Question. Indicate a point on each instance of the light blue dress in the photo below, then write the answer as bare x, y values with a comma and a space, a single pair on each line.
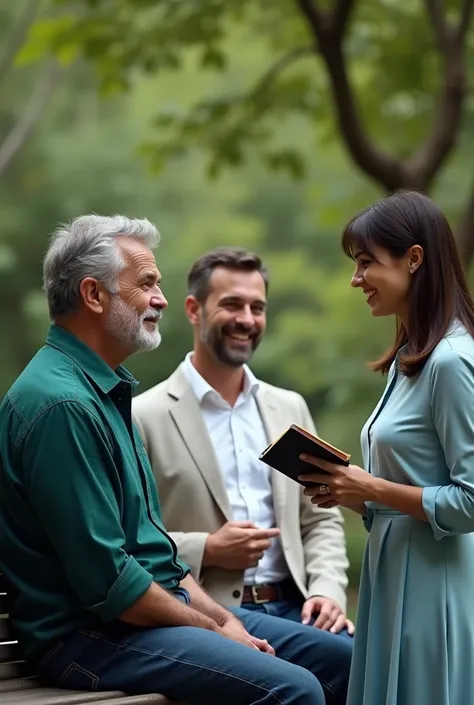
414, 642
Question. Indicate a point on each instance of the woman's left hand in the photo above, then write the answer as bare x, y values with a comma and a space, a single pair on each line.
348, 486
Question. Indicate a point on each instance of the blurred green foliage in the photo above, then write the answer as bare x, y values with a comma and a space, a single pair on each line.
93, 153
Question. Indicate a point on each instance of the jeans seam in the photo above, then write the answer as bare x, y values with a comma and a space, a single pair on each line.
125, 645
48, 655
328, 686
74, 666
272, 613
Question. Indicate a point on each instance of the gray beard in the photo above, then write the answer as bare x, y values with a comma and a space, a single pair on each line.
128, 327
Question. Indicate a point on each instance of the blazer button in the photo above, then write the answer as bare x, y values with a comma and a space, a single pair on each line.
236, 593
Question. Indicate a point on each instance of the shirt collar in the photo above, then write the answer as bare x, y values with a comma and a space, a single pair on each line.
89, 361
201, 388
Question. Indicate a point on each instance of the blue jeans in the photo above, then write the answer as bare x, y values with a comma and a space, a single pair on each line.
201, 667
287, 610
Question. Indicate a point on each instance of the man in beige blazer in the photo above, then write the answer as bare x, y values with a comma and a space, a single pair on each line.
249, 534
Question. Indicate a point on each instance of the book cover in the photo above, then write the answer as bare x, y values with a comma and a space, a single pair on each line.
283, 454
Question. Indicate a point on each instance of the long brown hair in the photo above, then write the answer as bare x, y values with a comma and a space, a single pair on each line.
439, 293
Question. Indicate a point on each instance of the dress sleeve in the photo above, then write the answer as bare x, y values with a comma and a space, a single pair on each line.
450, 508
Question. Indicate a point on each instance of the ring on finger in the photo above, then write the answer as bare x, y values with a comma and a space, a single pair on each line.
324, 489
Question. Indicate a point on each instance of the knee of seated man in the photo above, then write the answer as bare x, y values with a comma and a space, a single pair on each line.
298, 686
331, 651
342, 647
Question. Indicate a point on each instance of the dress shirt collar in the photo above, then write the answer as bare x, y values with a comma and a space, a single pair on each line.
202, 389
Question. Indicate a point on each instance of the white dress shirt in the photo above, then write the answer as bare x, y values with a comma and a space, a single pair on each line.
238, 437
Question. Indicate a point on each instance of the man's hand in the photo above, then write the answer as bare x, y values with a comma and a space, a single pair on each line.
263, 645
234, 630
237, 545
330, 617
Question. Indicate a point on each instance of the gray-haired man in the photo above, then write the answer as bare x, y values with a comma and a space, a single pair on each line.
101, 599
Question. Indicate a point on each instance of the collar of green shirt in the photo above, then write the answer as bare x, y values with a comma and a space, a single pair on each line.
92, 364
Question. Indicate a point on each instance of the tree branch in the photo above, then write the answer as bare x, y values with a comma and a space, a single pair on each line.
17, 36
341, 16
22, 130
465, 232
280, 65
422, 167
434, 10
465, 20
315, 17
425, 163
328, 32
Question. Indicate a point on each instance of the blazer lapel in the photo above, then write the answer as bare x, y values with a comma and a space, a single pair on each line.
186, 414
274, 423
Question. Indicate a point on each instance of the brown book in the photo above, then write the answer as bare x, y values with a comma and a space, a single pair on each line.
284, 453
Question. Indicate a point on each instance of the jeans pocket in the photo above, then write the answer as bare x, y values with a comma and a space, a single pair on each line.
75, 677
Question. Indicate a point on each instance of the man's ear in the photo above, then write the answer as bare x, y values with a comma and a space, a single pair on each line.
192, 308
93, 295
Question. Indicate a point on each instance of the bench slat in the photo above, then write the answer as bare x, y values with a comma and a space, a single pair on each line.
149, 699
16, 689
56, 696
16, 684
5, 630
47, 696
11, 670
9, 652
43, 691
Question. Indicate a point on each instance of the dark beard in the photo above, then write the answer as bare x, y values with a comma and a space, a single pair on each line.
232, 358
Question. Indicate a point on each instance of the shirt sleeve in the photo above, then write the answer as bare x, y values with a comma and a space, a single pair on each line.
73, 486
450, 508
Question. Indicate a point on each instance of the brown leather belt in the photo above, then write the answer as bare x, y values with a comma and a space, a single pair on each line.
259, 594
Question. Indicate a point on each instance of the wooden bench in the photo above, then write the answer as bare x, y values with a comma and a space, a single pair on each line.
19, 687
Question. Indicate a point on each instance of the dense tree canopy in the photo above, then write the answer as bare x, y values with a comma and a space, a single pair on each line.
388, 79
195, 88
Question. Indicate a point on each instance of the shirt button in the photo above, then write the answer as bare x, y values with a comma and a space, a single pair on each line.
236, 593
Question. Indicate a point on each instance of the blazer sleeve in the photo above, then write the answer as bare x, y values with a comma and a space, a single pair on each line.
324, 542
450, 507
190, 544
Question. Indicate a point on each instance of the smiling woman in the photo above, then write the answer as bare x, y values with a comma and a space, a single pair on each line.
408, 266
415, 626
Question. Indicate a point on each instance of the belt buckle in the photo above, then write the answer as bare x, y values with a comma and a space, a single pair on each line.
256, 599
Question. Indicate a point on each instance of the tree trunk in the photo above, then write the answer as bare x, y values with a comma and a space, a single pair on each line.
465, 233
328, 28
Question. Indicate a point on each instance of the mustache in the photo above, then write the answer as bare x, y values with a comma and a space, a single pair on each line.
152, 314
239, 328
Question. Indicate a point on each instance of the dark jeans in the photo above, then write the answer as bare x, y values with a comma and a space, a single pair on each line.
202, 667
287, 610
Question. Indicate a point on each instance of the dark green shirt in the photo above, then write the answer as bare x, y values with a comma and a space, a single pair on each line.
80, 524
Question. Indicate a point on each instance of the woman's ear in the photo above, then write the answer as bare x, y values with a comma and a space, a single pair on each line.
415, 258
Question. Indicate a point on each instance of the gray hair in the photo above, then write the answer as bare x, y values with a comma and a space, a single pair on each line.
87, 247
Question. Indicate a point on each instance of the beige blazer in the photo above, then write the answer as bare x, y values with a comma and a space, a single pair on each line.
194, 500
